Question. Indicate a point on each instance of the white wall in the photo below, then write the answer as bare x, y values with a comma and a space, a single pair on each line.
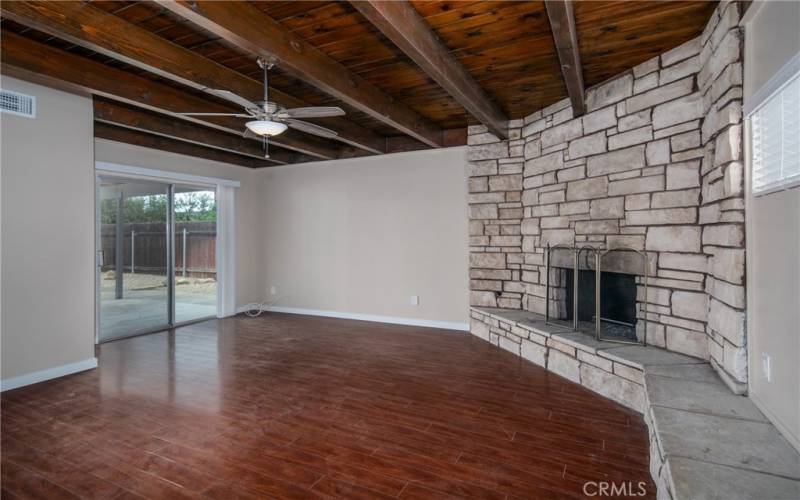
363, 235
773, 239
249, 260
47, 264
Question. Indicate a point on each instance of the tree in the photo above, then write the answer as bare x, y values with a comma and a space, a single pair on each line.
191, 206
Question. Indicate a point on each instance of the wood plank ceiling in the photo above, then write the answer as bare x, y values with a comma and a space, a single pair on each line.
464, 62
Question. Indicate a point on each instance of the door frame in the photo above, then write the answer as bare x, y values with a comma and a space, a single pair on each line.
170, 179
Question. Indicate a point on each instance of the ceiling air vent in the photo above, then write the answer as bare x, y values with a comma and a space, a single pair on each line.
17, 104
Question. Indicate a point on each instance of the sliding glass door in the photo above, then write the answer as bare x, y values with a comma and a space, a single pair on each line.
156, 251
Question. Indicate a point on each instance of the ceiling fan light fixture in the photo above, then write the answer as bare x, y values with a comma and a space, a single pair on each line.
266, 127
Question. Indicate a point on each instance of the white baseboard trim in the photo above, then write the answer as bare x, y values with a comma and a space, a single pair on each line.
50, 373
395, 320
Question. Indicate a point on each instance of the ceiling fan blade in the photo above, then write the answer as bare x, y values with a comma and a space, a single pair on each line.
310, 128
241, 101
311, 112
216, 114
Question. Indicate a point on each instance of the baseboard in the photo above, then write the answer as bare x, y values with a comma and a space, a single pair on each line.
395, 320
50, 373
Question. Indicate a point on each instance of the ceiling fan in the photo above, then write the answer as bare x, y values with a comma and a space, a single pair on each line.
267, 118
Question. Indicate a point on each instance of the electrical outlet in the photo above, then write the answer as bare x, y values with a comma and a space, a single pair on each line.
273, 290
766, 365
414, 301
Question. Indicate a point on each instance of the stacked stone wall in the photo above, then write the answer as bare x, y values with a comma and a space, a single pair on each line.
654, 164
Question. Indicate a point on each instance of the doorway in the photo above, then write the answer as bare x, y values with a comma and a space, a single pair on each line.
156, 255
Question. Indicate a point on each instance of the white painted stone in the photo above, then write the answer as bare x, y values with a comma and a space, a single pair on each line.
646, 67
532, 149
573, 207
505, 182
724, 235
494, 260
608, 208
613, 387
546, 163
637, 201
690, 342
557, 237
553, 222
482, 299
686, 140
635, 120
683, 175
483, 211
681, 52
481, 138
658, 152
529, 226
671, 199
728, 264
690, 262
733, 295
659, 95
533, 352
630, 138
661, 216
679, 70
616, 161
735, 361
674, 239
485, 167
625, 240
728, 146
571, 174
599, 120
681, 110
587, 145
564, 365
597, 227
488, 151
690, 305
562, 133
609, 92
645, 83
508, 345
636, 185
587, 189
533, 127
726, 321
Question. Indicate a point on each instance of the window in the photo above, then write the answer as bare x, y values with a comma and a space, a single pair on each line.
775, 132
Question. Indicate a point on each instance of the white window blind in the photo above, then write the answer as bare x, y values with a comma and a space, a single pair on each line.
775, 127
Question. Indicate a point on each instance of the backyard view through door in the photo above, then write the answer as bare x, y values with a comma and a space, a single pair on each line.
149, 232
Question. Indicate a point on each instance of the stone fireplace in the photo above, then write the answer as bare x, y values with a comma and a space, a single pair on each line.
655, 165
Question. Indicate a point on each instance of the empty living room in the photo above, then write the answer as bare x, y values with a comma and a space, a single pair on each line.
412, 249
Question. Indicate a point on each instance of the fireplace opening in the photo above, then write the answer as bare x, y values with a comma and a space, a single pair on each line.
617, 304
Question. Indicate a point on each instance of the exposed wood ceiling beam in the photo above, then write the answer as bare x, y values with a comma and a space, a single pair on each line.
138, 138
565, 35
24, 58
246, 27
163, 125
400, 23
88, 26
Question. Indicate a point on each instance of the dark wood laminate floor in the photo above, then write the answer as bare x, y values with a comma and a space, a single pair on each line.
287, 406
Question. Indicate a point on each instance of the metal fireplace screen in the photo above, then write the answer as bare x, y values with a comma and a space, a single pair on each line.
574, 274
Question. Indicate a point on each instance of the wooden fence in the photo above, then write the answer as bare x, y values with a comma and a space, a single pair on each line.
149, 248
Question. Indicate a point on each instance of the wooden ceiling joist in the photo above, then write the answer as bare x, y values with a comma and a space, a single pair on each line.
400, 23
90, 27
166, 126
138, 138
24, 58
248, 28
565, 35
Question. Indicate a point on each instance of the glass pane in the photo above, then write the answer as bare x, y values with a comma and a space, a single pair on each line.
195, 253
132, 257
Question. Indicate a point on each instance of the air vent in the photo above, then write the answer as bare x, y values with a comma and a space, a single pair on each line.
17, 104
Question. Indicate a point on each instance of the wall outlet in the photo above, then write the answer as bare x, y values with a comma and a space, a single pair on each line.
273, 290
766, 365
414, 300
